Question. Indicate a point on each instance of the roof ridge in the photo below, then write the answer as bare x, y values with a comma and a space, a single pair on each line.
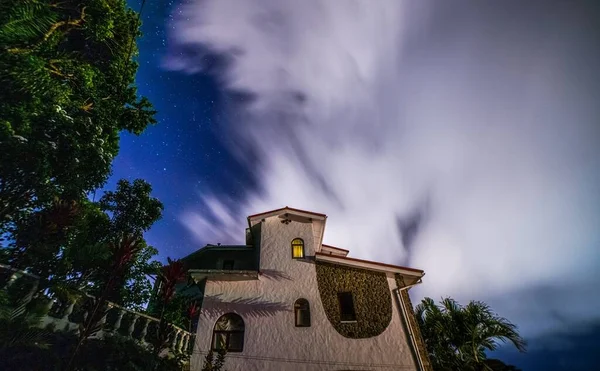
288, 208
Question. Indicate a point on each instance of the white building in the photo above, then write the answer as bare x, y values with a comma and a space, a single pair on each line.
286, 301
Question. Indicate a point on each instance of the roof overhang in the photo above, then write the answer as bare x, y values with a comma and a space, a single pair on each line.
332, 250
290, 213
223, 275
412, 274
217, 247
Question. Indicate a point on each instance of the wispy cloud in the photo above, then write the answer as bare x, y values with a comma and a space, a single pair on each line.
477, 124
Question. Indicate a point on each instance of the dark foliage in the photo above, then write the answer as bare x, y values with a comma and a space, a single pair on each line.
457, 337
110, 353
212, 362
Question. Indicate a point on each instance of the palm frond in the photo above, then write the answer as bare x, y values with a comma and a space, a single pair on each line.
457, 337
27, 20
20, 327
17, 312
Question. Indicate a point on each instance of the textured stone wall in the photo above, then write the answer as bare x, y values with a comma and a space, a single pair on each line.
421, 348
371, 294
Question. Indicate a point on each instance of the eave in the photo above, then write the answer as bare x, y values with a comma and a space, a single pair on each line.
414, 274
223, 275
290, 210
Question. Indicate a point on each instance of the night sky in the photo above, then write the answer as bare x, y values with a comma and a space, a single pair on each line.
184, 153
462, 139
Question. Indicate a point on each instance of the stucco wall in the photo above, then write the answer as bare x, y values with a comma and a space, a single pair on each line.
272, 342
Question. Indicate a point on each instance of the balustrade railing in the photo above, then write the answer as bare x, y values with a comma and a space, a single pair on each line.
67, 316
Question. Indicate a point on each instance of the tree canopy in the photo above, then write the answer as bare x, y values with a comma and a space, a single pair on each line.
67, 70
131, 207
67, 244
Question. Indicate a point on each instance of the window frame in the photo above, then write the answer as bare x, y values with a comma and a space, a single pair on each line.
298, 244
227, 341
228, 334
343, 298
302, 305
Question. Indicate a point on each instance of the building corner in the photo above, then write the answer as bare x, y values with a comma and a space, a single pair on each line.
411, 321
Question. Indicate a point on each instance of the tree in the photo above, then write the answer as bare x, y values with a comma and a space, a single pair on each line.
67, 71
123, 251
131, 207
457, 337
132, 210
39, 237
67, 244
136, 289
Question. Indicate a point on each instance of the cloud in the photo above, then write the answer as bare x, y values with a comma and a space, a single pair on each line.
478, 121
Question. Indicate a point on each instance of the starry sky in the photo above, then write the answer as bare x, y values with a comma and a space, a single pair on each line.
462, 139
184, 154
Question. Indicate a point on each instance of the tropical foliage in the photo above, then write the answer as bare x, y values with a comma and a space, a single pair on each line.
131, 210
68, 244
123, 251
212, 362
67, 70
109, 353
170, 275
67, 73
457, 337
19, 323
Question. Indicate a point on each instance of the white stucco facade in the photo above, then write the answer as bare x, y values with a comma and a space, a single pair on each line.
271, 339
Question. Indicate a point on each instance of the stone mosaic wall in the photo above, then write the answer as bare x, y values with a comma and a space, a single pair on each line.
371, 294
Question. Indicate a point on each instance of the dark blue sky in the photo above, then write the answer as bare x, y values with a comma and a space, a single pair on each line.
184, 153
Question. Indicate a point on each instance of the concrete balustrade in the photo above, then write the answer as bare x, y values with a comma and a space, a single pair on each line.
63, 319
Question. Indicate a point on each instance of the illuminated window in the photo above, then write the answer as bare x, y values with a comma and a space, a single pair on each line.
302, 313
347, 312
228, 334
297, 248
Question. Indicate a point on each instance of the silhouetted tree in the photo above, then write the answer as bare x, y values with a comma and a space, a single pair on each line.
457, 337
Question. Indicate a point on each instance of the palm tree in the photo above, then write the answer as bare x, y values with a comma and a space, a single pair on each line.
457, 337
20, 325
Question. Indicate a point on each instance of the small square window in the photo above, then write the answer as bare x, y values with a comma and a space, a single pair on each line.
347, 312
228, 265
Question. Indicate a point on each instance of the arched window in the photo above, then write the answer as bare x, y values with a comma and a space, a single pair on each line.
228, 333
302, 313
297, 248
